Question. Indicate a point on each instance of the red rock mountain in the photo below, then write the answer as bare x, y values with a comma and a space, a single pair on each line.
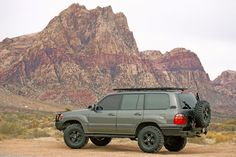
226, 82
82, 54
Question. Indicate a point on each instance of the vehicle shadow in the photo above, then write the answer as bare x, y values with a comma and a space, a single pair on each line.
132, 148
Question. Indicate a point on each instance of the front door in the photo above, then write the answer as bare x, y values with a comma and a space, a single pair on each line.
104, 120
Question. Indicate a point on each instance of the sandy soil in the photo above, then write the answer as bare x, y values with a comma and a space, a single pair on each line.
50, 147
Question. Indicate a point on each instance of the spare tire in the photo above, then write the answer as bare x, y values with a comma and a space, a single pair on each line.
202, 114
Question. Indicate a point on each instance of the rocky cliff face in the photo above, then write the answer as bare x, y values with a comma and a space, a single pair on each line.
82, 54
226, 83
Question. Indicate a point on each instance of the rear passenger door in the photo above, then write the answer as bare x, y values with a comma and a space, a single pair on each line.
130, 113
157, 108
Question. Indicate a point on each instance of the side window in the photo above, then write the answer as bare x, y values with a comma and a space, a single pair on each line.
111, 102
129, 102
157, 101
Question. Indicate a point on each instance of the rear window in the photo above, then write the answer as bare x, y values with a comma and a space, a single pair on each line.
157, 101
188, 99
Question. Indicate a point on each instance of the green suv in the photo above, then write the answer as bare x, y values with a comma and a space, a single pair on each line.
152, 116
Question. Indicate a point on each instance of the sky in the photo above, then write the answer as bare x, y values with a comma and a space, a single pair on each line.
206, 27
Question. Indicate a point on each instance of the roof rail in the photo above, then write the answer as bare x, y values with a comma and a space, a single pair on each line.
153, 89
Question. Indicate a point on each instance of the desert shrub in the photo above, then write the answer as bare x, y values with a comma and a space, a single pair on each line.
34, 123
11, 128
232, 122
226, 126
197, 140
2, 137
215, 137
25, 125
58, 134
36, 133
67, 109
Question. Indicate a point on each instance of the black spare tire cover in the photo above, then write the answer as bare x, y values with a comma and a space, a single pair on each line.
202, 114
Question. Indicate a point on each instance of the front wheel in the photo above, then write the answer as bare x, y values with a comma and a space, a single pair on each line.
150, 139
74, 136
175, 143
100, 141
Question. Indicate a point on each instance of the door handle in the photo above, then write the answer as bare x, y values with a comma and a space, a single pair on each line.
138, 114
111, 114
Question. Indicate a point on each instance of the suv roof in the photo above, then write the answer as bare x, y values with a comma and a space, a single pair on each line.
151, 89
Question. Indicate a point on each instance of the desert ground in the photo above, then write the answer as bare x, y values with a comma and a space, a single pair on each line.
52, 147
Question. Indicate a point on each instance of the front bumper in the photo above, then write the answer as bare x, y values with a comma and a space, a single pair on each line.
59, 125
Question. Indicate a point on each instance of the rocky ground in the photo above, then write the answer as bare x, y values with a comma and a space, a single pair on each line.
44, 147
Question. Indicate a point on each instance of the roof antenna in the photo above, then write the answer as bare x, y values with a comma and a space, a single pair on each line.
197, 97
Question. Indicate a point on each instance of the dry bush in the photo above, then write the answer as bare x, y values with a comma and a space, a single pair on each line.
11, 128
24, 125
36, 133
221, 137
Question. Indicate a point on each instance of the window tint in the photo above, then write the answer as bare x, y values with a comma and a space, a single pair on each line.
157, 101
111, 102
129, 102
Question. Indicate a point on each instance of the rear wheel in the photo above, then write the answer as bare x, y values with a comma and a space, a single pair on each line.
150, 139
74, 136
100, 141
175, 143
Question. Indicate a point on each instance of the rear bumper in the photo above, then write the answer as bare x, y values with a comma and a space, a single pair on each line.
181, 131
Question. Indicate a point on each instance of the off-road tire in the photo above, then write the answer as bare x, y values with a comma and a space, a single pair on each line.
150, 139
175, 143
202, 114
74, 136
100, 141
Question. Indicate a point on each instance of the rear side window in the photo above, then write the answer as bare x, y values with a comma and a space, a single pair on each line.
157, 101
187, 98
111, 102
132, 102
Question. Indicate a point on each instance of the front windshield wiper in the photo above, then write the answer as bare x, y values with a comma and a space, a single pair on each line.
186, 105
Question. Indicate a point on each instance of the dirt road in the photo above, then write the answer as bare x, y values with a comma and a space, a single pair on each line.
50, 147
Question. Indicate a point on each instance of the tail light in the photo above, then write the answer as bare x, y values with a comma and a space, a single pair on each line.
180, 119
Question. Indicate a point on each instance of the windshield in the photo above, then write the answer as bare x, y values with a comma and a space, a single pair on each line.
188, 99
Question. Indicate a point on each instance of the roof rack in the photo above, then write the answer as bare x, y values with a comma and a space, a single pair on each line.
151, 89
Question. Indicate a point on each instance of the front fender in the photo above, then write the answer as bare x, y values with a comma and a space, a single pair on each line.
82, 119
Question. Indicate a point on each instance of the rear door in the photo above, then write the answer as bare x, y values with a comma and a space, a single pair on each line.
130, 113
104, 121
157, 108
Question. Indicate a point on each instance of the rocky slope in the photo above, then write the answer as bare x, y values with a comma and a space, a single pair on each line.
82, 54
226, 83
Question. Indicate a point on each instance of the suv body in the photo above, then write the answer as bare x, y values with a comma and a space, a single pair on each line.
167, 112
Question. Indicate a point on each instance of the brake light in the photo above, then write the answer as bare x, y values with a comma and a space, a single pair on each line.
180, 119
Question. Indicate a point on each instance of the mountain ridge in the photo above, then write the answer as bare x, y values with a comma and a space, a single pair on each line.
82, 54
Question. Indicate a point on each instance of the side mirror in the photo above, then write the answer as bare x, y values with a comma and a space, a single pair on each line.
98, 108
92, 107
